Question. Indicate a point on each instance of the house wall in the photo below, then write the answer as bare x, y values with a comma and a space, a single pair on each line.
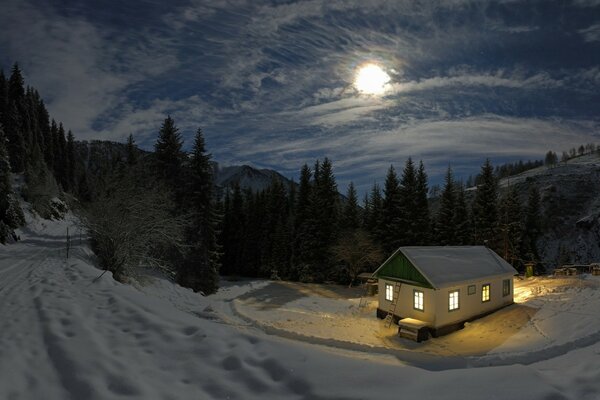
435, 302
471, 305
404, 307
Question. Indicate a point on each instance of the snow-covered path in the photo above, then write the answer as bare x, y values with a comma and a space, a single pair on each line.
63, 336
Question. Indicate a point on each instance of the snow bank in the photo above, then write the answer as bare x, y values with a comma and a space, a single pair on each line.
67, 337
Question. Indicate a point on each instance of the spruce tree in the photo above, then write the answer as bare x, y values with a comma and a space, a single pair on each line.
62, 164
485, 209
533, 228
11, 215
168, 154
510, 225
301, 216
461, 218
46, 134
421, 218
350, 219
3, 97
201, 263
131, 150
391, 213
324, 218
373, 221
70, 161
277, 233
14, 134
5, 187
408, 194
233, 232
445, 230
16, 90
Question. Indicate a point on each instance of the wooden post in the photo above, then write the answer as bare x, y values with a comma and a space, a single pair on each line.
68, 242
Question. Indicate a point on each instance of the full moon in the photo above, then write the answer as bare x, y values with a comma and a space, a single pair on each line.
371, 79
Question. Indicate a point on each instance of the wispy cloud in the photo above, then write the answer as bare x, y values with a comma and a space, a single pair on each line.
591, 33
272, 82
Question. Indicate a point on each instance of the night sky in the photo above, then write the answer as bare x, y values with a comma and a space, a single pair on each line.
272, 84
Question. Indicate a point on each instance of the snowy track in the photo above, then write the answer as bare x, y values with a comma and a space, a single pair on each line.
64, 337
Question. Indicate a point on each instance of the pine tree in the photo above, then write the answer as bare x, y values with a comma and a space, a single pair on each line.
169, 157
421, 218
131, 150
392, 213
350, 219
485, 209
201, 263
445, 230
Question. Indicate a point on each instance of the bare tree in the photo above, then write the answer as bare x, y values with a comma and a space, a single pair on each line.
132, 227
357, 252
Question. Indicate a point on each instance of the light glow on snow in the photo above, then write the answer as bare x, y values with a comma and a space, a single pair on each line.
371, 79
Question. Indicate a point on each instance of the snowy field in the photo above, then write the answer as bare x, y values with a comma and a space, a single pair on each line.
64, 336
551, 316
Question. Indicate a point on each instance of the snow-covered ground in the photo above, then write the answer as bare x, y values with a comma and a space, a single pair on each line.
64, 336
551, 316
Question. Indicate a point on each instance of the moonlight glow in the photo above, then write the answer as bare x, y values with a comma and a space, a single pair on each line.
371, 79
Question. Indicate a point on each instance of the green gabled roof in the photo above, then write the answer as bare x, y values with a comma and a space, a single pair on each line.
399, 268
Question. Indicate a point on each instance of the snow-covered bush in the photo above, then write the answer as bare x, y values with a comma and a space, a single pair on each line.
131, 225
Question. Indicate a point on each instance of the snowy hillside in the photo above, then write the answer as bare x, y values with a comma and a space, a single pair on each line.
65, 336
571, 207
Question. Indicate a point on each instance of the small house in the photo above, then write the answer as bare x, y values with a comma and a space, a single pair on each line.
442, 287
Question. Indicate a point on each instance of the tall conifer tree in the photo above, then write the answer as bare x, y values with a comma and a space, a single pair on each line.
485, 209
201, 263
168, 153
421, 218
392, 213
445, 229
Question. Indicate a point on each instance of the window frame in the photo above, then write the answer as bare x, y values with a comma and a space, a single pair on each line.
391, 292
489, 292
505, 287
474, 287
415, 291
457, 291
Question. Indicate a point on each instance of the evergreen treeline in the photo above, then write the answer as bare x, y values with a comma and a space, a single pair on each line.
32, 144
310, 234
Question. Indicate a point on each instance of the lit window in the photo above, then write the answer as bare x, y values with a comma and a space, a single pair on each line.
389, 292
418, 301
506, 287
453, 300
471, 289
485, 292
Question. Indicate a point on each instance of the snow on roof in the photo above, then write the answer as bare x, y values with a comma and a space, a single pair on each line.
446, 265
